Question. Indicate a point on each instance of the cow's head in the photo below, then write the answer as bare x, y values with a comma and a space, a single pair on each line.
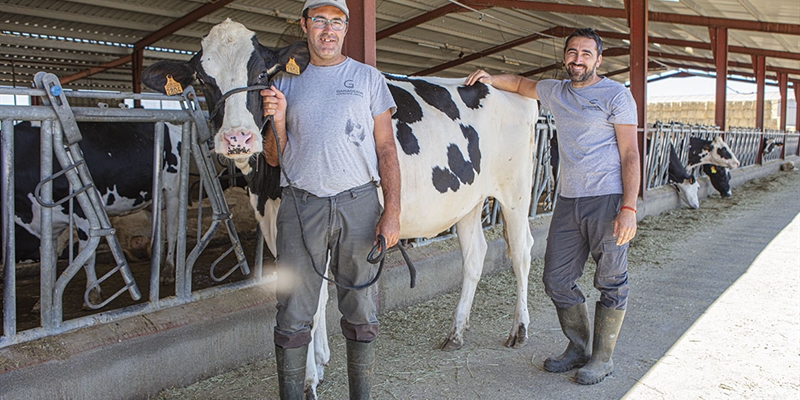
769, 144
688, 190
231, 58
715, 152
720, 178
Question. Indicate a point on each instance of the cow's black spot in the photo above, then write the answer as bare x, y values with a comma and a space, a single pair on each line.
724, 153
81, 234
408, 142
443, 179
473, 146
472, 95
111, 199
459, 166
436, 96
408, 110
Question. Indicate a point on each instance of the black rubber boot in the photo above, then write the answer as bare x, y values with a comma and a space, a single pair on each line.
575, 325
291, 364
360, 368
606, 330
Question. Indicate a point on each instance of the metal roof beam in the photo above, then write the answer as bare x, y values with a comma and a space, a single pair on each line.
418, 20
705, 46
680, 19
179, 23
555, 31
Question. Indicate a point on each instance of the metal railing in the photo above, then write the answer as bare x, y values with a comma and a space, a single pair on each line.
54, 130
745, 143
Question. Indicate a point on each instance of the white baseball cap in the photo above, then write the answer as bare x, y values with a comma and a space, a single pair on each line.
340, 4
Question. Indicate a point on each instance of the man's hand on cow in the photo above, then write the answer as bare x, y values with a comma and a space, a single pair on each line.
625, 226
478, 76
273, 102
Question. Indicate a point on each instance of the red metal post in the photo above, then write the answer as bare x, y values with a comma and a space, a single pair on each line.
720, 46
136, 74
637, 15
783, 83
797, 110
360, 42
760, 70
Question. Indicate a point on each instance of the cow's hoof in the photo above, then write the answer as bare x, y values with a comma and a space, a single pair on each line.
451, 344
517, 339
310, 393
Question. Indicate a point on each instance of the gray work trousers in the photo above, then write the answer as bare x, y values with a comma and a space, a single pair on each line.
341, 229
579, 227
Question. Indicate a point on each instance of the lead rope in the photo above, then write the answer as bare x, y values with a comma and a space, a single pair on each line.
372, 257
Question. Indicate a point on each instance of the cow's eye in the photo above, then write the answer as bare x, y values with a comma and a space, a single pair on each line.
262, 76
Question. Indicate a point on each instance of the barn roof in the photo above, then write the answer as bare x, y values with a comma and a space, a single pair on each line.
430, 37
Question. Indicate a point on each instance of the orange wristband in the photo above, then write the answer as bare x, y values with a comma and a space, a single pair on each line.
627, 208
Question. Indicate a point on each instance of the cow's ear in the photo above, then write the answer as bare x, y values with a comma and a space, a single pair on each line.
164, 75
294, 58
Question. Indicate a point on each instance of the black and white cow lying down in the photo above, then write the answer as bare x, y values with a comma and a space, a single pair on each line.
456, 146
119, 157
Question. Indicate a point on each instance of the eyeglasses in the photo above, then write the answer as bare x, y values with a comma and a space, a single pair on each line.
337, 24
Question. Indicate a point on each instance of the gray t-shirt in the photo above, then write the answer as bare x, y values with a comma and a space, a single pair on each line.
330, 126
587, 142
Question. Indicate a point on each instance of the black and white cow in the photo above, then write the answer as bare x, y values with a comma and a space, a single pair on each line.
714, 152
720, 178
119, 157
456, 145
769, 144
684, 183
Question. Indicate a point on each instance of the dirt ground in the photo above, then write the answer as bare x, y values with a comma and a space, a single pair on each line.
681, 262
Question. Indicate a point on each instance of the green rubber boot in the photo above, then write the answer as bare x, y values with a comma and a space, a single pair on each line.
360, 368
575, 325
291, 365
607, 323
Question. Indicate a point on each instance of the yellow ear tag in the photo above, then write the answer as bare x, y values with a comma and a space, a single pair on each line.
172, 87
292, 67
713, 169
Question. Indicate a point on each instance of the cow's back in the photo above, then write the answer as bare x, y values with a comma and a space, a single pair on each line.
457, 145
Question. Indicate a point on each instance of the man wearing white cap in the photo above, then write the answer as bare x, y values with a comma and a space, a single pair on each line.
337, 146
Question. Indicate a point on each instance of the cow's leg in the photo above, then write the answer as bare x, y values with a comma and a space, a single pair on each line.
519, 241
172, 204
317, 359
473, 252
269, 228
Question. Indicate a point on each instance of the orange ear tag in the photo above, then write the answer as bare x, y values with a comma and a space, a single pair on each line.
172, 87
292, 67
713, 169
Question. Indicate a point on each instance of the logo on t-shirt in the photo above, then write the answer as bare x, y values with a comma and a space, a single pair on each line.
349, 91
592, 106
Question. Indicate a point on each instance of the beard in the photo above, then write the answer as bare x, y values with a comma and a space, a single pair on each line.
587, 74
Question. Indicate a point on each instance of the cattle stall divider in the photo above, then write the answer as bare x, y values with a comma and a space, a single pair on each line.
59, 128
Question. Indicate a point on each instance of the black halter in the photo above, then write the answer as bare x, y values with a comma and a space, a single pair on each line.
232, 92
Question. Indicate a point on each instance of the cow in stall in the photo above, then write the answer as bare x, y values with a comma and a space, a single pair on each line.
714, 152
720, 178
769, 144
456, 145
119, 157
684, 183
